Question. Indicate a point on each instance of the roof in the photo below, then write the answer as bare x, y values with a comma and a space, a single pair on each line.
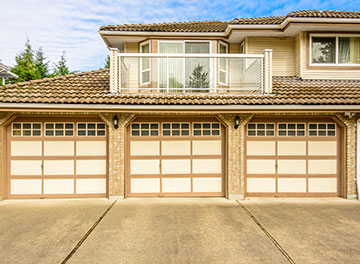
5, 72
93, 88
220, 26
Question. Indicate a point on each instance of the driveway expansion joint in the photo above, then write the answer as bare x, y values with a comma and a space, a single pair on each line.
267, 233
82, 240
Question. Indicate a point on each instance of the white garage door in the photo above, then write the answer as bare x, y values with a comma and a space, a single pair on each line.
175, 158
57, 158
287, 158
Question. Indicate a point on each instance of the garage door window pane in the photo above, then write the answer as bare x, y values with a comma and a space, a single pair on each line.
91, 129
144, 129
291, 130
261, 129
59, 129
322, 129
26, 129
176, 129
206, 129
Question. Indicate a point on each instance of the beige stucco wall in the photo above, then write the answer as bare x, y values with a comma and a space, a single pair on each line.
283, 63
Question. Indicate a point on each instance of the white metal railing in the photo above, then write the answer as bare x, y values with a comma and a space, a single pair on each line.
189, 73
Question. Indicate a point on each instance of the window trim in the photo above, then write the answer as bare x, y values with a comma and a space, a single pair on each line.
226, 45
141, 66
336, 64
183, 52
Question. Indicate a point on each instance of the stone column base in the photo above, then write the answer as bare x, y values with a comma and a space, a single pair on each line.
236, 196
116, 197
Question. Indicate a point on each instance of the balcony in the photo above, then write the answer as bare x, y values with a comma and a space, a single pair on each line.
179, 73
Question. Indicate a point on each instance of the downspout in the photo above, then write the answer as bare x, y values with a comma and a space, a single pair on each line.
358, 158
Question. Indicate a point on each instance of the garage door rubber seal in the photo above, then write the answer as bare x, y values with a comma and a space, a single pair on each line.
87, 234
267, 233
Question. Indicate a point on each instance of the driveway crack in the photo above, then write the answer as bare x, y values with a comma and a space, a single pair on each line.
82, 240
267, 233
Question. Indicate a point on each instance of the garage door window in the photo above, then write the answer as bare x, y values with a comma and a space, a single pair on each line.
26, 129
291, 130
206, 129
261, 129
322, 129
91, 129
175, 129
59, 129
145, 129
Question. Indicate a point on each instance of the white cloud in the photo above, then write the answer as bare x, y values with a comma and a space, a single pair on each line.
72, 26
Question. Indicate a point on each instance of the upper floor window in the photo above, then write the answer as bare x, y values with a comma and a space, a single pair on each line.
189, 73
223, 64
335, 50
145, 64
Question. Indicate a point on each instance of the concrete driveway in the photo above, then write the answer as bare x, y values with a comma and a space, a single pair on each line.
180, 231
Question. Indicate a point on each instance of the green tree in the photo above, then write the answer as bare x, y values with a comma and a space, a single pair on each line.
199, 78
61, 68
107, 62
41, 65
24, 67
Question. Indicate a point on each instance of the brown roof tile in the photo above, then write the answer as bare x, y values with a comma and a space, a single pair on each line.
220, 26
93, 88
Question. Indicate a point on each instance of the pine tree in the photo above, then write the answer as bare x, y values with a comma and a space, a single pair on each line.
41, 65
24, 67
61, 68
107, 62
199, 78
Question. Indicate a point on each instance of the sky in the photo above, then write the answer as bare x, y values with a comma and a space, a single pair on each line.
72, 25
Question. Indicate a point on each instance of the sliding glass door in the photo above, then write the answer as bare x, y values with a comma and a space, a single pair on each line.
175, 74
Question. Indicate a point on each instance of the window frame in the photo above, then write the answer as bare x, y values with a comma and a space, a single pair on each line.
86, 129
202, 129
226, 71
326, 129
336, 64
171, 129
183, 52
31, 129
274, 129
64, 129
141, 63
149, 123
296, 129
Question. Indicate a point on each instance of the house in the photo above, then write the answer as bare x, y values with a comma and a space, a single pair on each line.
245, 108
5, 73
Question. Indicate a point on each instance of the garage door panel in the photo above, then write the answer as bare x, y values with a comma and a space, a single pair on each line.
59, 148
173, 166
25, 187
292, 166
90, 167
322, 166
322, 148
26, 148
323, 185
91, 148
206, 165
176, 147
145, 167
206, 147
59, 167
291, 148
25, 167
261, 185
145, 185
176, 185
207, 184
260, 166
292, 185
59, 186
144, 148
90, 186
261, 148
